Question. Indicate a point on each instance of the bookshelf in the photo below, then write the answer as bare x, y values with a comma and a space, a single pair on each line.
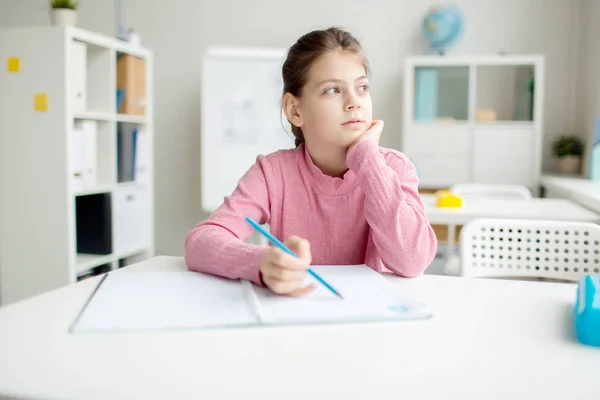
474, 119
76, 165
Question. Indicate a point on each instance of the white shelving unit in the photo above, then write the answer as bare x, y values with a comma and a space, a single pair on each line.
52, 80
451, 142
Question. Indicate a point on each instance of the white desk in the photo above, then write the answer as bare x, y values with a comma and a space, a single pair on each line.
489, 339
576, 189
535, 208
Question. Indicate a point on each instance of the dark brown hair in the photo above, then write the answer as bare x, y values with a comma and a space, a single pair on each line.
305, 52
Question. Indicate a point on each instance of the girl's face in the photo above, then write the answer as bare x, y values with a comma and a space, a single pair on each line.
335, 106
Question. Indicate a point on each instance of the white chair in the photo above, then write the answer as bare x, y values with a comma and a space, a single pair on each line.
496, 191
479, 190
529, 248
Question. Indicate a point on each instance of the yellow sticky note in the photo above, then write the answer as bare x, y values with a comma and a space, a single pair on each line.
40, 102
13, 64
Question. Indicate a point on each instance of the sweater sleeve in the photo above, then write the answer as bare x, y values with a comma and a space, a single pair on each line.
401, 232
217, 245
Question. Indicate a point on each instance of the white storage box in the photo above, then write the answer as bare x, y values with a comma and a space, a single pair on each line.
132, 221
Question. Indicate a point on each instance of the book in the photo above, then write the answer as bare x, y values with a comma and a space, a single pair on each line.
126, 135
133, 153
426, 94
158, 301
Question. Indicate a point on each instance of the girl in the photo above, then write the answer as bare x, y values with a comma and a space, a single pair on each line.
337, 198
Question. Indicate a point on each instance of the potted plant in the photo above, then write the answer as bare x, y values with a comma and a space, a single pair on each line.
63, 12
568, 149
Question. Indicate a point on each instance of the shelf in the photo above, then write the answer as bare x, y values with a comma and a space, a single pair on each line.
95, 190
94, 115
463, 114
505, 124
484, 59
132, 184
459, 122
85, 262
131, 119
499, 124
100, 40
66, 88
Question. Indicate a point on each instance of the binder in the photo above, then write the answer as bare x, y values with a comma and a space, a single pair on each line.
84, 154
426, 94
79, 76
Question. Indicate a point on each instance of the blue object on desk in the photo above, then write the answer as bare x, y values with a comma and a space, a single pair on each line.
587, 310
283, 247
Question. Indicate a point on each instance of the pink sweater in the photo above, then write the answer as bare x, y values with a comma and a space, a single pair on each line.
373, 215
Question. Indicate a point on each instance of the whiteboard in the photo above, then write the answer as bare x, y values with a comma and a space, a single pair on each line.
241, 116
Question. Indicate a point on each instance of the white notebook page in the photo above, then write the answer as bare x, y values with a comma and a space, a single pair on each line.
142, 301
367, 296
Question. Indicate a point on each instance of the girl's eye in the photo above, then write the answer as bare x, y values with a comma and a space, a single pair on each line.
363, 88
332, 90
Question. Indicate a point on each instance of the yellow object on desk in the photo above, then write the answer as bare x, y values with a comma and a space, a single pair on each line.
447, 199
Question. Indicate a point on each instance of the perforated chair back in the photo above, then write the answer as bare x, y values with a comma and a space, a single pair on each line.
529, 248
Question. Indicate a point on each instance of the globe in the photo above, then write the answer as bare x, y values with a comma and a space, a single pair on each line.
443, 26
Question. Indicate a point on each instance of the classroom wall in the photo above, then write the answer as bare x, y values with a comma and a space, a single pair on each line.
179, 30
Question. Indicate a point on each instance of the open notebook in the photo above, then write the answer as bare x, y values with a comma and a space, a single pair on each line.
150, 301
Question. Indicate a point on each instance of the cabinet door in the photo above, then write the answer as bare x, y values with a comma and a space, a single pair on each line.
503, 154
440, 153
441, 172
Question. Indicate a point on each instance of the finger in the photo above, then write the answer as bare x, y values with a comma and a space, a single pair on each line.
285, 274
376, 124
284, 260
376, 129
303, 291
299, 246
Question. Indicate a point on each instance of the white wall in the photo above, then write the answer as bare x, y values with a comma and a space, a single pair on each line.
179, 30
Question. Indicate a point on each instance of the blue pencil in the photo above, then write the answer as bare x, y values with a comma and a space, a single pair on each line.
283, 247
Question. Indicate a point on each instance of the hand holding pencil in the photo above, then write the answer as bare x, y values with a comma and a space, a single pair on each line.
278, 268
283, 273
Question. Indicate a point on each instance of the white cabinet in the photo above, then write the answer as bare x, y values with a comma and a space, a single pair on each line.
450, 140
441, 171
441, 153
474, 119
